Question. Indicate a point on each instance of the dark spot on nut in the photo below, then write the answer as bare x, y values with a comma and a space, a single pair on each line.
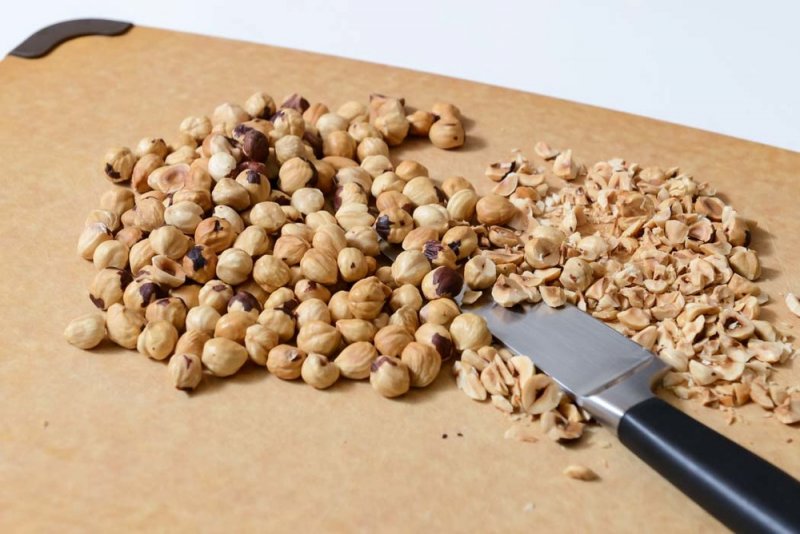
219, 287
289, 306
383, 226
255, 145
455, 246
448, 283
245, 301
125, 278
296, 102
239, 131
253, 177
443, 346
217, 225
97, 301
149, 291
375, 365
747, 237
432, 249
248, 165
111, 172
314, 140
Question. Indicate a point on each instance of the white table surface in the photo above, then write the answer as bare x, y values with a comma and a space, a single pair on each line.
730, 67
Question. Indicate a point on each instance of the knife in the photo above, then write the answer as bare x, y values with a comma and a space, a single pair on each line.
612, 378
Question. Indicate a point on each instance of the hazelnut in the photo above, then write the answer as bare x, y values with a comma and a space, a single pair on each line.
308, 289
354, 360
199, 264
166, 272
409, 169
108, 287
355, 330
330, 239
86, 331
577, 275
462, 240
221, 165
389, 376
185, 370
91, 237
229, 192
406, 295
407, 317
256, 184
423, 362
318, 266
442, 282
123, 325
191, 342
447, 133
202, 318
246, 302
469, 331
367, 297
286, 361
171, 309
420, 123
418, 237
260, 105
169, 241
233, 325
392, 339
318, 371
393, 225
319, 336
438, 337
270, 273
140, 293
410, 267
215, 233
462, 204
117, 200
542, 252
223, 357
312, 310
267, 215
440, 311
339, 306
432, 216
420, 190
495, 209
295, 174
258, 341
352, 264
338, 143
157, 340
393, 126
364, 239
279, 322
439, 254
253, 240
480, 272
118, 164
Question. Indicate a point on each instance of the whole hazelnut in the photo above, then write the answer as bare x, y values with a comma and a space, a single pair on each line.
318, 266
157, 340
355, 330
233, 325
191, 342
410, 267
140, 293
108, 287
462, 240
355, 359
469, 331
215, 233
245, 301
440, 311
86, 331
91, 237
286, 361
308, 289
253, 240
258, 341
268, 215
223, 357
295, 174
185, 370
495, 209
480, 272
420, 123
364, 239
318, 371
439, 254
423, 362
202, 318
438, 337
200, 263
393, 126
234, 266
389, 376
406, 295
393, 225
256, 184
123, 325
407, 317
270, 273
367, 297
217, 294
442, 282
447, 133
171, 309
320, 337
280, 322
352, 264
118, 164
339, 306
392, 339
169, 241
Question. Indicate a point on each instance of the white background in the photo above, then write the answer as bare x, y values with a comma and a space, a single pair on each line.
731, 67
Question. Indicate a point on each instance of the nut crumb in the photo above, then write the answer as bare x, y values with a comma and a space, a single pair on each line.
528, 507
522, 433
580, 472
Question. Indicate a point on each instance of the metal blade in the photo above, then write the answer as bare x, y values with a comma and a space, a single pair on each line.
584, 355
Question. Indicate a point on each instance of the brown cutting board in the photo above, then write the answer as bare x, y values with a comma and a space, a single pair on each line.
99, 440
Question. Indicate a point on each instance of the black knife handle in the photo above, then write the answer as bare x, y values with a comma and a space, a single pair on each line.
734, 485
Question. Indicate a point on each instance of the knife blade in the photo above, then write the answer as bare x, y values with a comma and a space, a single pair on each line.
612, 377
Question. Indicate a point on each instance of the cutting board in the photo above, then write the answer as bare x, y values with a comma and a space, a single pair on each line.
100, 441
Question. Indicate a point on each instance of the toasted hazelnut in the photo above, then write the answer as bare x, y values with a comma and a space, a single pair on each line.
407, 317
495, 209
393, 126
542, 252
461, 205
223, 357
439, 254
171, 309
447, 133
367, 297
364, 239
355, 330
480, 272
420, 190
169, 241
191, 342
438, 337
199, 264
215, 233
118, 164
202, 318
319, 267
91, 237
253, 240
108, 287
406, 295
409, 169
318, 371
320, 337
389, 376
245, 301
185, 370
469, 331
233, 325
354, 360
308, 289
124, 325
260, 105
462, 240
370, 146
442, 282
166, 272
157, 340
410, 267
432, 216
282, 323
188, 293
312, 310
391, 199
118, 200
418, 237
267, 215
439, 311
423, 362
270, 273
140, 293
339, 306
420, 123
258, 341
392, 339
86, 331
286, 361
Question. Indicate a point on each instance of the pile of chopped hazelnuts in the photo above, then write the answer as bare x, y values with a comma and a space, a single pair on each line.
256, 235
